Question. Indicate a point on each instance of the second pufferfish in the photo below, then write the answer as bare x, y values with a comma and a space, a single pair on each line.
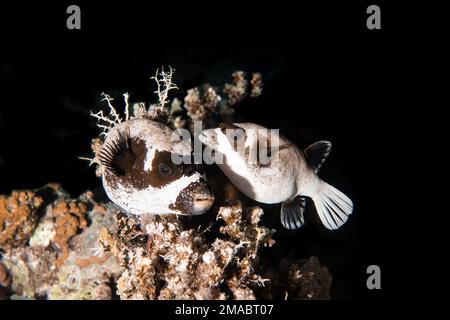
289, 176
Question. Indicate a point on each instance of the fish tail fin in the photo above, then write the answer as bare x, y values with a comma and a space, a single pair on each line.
332, 206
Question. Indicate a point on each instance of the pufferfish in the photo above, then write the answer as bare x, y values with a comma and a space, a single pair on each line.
288, 178
138, 173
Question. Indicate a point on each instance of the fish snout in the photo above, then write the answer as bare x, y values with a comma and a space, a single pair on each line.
202, 199
195, 199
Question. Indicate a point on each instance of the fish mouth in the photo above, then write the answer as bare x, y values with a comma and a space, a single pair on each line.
195, 199
202, 203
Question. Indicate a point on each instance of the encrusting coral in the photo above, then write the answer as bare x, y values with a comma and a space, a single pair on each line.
18, 218
69, 218
56, 247
58, 261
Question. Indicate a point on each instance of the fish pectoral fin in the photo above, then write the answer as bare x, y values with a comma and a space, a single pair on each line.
292, 213
317, 153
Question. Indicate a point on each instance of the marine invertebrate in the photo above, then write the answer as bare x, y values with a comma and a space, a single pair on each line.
5, 278
205, 104
69, 219
237, 90
58, 262
202, 105
18, 218
163, 260
152, 257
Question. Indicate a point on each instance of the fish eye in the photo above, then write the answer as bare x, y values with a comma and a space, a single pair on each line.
165, 169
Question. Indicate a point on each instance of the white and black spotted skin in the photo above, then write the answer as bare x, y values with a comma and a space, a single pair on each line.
140, 177
289, 176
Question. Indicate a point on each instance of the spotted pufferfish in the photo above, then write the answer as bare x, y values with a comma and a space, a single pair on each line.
138, 173
288, 178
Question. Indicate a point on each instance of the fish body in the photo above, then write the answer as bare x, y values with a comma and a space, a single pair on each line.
288, 177
138, 173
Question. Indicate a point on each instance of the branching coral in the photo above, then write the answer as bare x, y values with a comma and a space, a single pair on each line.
164, 82
238, 89
200, 106
163, 261
109, 121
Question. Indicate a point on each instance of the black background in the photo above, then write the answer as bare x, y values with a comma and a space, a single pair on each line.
326, 77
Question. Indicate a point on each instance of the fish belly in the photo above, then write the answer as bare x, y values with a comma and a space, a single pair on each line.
262, 189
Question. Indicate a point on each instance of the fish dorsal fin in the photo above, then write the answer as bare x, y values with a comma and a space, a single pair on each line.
317, 153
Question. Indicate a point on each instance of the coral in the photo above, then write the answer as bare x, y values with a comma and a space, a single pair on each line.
62, 259
18, 218
257, 84
200, 106
5, 279
164, 82
162, 260
237, 90
83, 249
107, 122
69, 219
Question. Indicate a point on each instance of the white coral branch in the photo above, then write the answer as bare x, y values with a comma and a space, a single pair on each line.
260, 281
113, 111
127, 106
91, 160
107, 122
164, 82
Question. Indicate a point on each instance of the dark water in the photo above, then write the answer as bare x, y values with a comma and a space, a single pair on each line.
328, 84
